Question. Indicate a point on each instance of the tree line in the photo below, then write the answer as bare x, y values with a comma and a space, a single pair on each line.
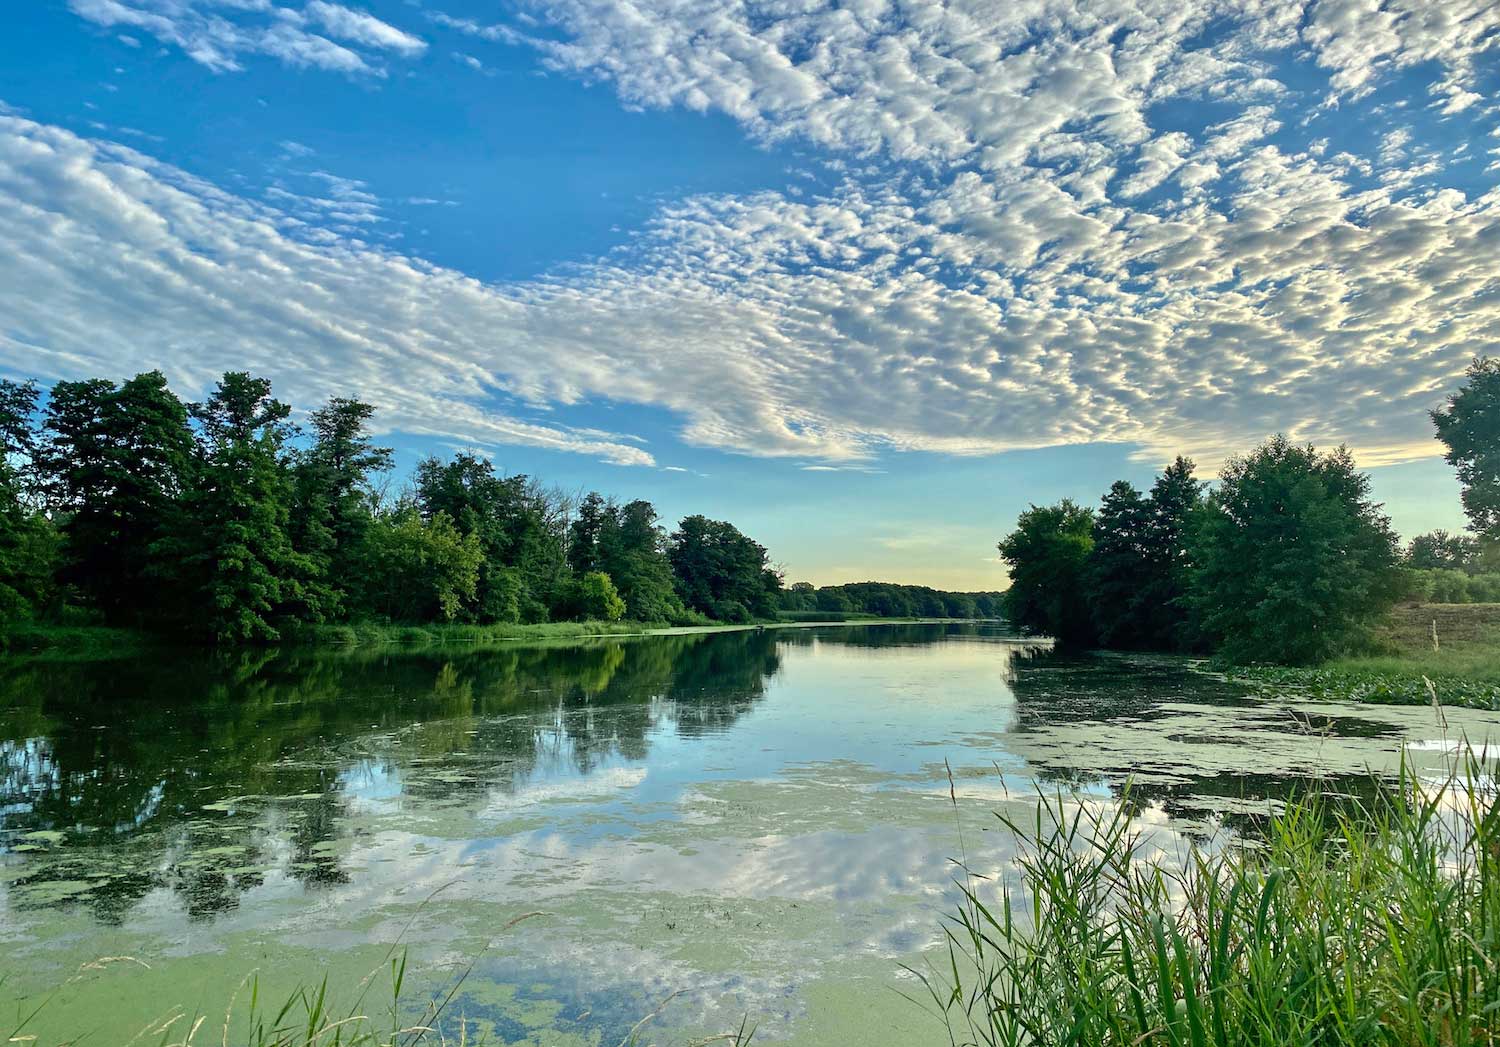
224, 521
887, 600
1286, 558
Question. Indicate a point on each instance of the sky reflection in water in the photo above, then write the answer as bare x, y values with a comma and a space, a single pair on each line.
760, 817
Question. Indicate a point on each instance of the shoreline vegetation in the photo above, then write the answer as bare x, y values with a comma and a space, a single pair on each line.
1372, 922
225, 523
1423, 653
1284, 571
105, 642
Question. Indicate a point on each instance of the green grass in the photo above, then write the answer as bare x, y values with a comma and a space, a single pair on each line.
1464, 667
74, 642
1355, 926
367, 634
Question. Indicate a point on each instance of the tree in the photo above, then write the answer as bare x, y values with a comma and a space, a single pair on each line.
1439, 550
1121, 573
28, 543
114, 463
799, 596
1293, 559
239, 569
720, 572
333, 492
592, 596
416, 570
1175, 503
1048, 555
517, 533
1470, 427
626, 543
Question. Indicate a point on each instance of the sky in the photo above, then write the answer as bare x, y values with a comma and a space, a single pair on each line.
865, 278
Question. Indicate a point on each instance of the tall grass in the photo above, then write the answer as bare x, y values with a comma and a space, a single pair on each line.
1357, 925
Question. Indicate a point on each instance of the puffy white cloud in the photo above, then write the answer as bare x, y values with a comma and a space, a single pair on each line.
216, 33
1028, 252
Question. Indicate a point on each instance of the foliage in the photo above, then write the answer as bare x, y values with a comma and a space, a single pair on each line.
1439, 550
1463, 668
29, 544
233, 552
722, 573
592, 596
1293, 561
1048, 556
1119, 574
887, 600
333, 493
628, 545
417, 569
1363, 926
1469, 425
113, 463
1374, 682
519, 532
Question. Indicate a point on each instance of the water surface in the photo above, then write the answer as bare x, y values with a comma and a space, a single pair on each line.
761, 821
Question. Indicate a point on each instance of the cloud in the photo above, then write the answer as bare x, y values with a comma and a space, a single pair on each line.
360, 28
1056, 223
216, 33
194, 280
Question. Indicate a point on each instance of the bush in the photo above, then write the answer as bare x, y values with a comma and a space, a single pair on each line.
592, 597
1447, 586
1485, 588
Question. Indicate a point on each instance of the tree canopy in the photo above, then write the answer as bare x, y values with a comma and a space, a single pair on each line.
1469, 426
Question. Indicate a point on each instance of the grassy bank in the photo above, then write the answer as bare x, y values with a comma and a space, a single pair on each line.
1464, 666
1378, 926
93, 641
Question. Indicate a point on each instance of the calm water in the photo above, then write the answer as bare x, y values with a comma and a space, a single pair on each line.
760, 821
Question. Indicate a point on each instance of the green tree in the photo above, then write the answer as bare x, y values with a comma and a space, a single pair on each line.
1439, 550
520, 539
28, 543
114, 463
1048, 556
333, 493
1121, 574
417, 570
592, 596
1293, 559
626, 543
799, 596
1175, 504
239, 570
721, 572
1469, 425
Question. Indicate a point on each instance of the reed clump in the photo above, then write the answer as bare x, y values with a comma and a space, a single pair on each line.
1357, 925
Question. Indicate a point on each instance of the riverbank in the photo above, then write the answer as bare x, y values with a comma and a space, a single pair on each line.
1121, 943
88, 642
1454, 646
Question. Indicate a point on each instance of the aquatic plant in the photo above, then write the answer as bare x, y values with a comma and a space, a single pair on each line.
1362, 924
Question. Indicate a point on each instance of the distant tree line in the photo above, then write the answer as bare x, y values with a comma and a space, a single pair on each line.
1286, 559
222, 520
887, 600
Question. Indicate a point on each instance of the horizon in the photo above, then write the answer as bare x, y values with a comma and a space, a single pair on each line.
864, 286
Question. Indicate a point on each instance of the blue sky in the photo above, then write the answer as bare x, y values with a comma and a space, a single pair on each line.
865, 278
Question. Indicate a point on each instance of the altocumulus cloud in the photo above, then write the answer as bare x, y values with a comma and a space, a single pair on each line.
216, 33
1029, 244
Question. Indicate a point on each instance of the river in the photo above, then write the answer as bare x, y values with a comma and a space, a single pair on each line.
761, 822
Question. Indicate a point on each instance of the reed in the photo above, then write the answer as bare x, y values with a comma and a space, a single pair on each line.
1356, 925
